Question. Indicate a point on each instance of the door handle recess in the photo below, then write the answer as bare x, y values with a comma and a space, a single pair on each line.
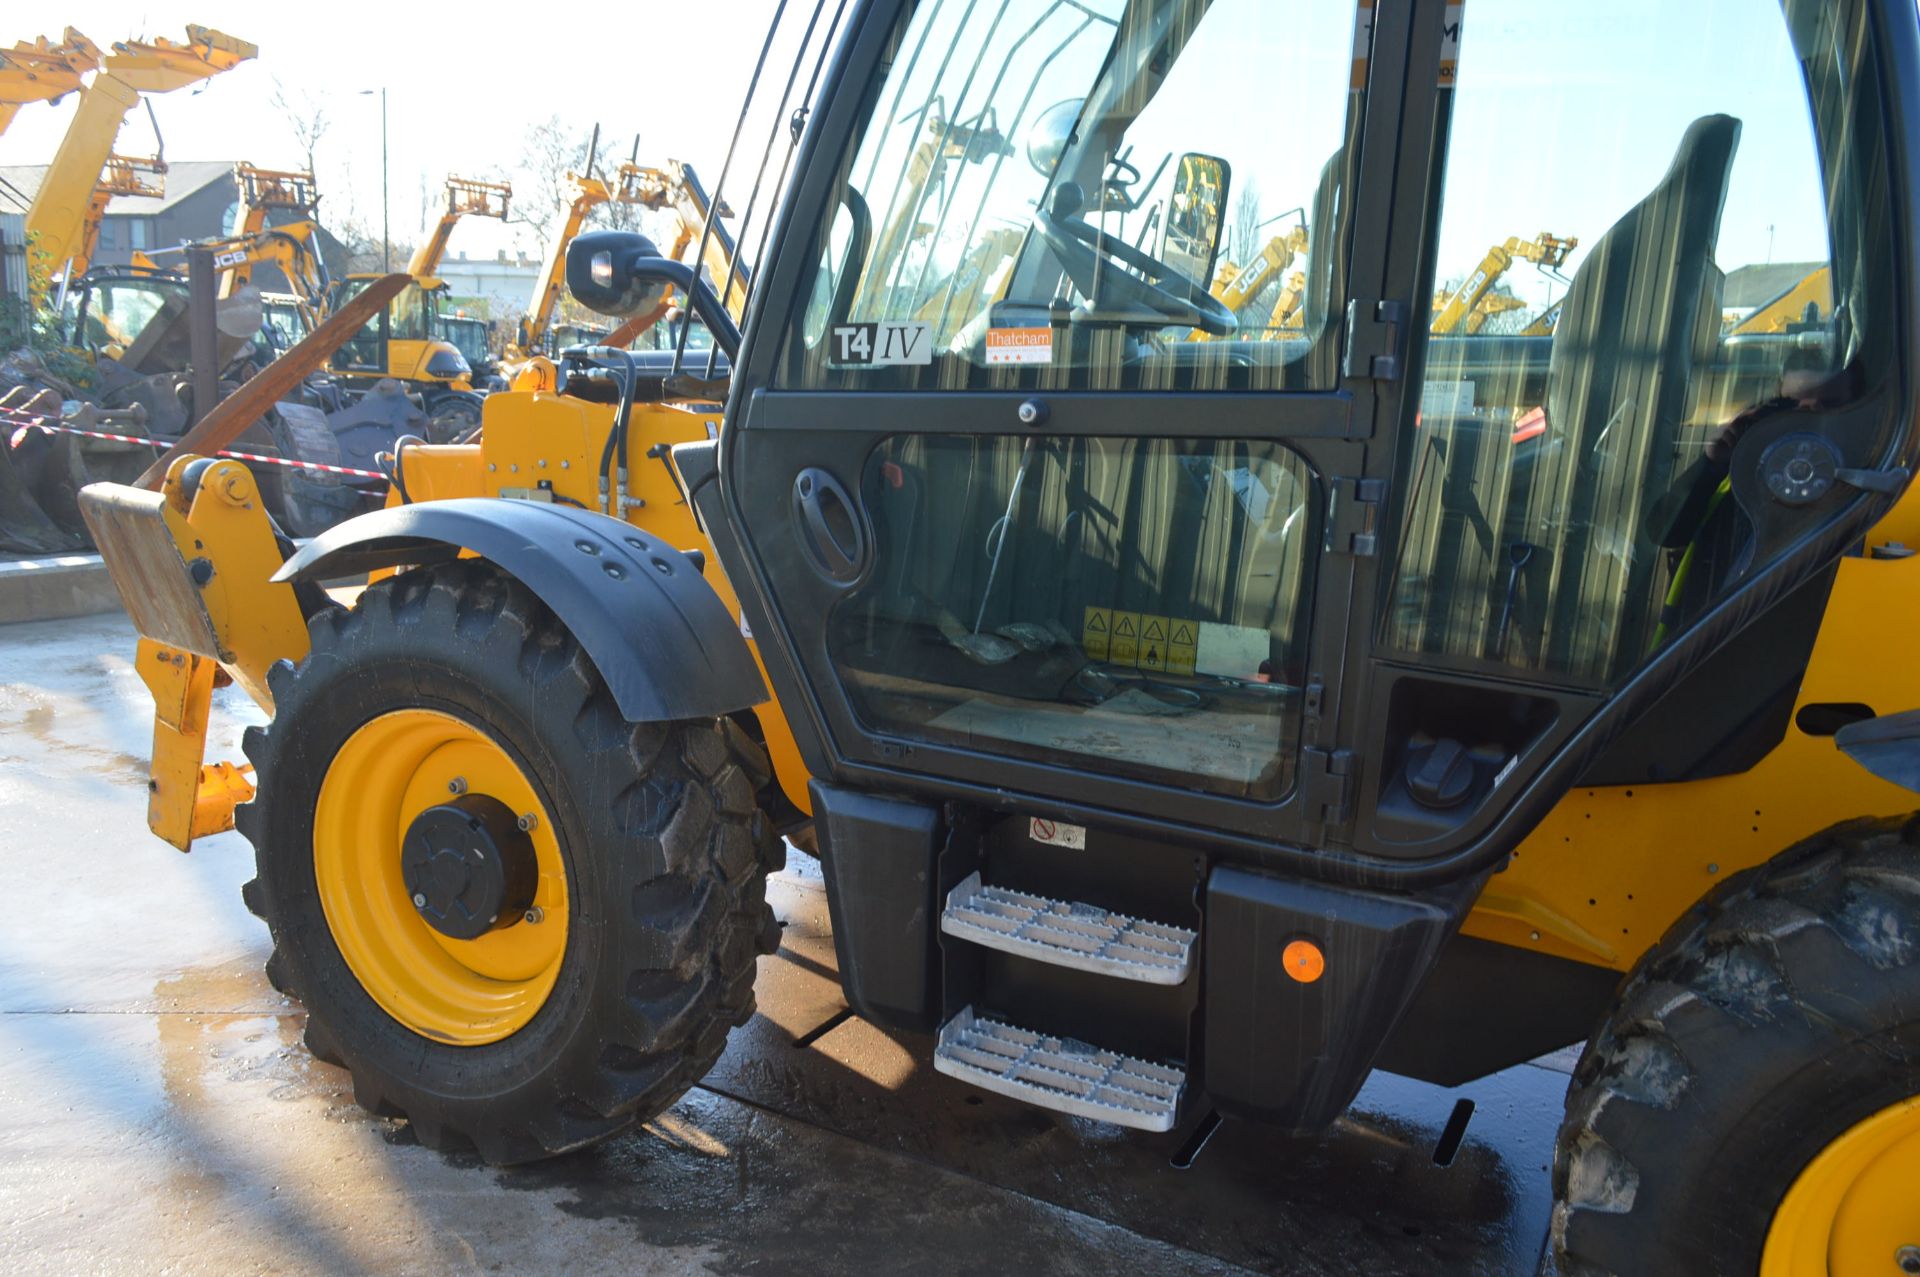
829, 525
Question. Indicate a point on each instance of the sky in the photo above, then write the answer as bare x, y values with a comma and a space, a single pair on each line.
463, 82
1563, 119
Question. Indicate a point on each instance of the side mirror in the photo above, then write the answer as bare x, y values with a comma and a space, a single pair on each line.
621, 274
1196, 216
601, 277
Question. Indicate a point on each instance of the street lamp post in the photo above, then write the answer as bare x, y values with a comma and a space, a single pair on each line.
386, 239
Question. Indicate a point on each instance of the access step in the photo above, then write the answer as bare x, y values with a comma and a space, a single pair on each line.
1068, 934
1059, 1073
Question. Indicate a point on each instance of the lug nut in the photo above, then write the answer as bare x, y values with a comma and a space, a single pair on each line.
535, 915
1908, 1257
419, 901
458, 785
528, 823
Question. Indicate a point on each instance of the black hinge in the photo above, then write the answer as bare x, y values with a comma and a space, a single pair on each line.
1353, 521
1375, 331
1326, 785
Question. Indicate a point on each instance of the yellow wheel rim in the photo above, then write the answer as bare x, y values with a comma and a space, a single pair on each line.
1856, 1207
464, 992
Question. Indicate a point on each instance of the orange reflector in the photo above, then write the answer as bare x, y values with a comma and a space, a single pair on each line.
1303, 961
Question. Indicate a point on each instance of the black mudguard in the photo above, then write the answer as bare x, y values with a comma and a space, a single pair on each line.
657, 632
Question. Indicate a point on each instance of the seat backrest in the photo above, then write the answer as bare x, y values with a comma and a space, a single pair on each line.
1616, 396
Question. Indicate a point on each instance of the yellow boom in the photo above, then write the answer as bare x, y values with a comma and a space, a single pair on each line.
465, 197
56, 222
43, 71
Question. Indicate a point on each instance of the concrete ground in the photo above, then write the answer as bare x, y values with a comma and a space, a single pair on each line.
158, 1113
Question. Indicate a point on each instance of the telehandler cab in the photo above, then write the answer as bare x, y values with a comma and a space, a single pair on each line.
1184, 726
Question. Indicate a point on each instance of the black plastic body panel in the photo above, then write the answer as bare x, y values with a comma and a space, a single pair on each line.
1291, 1053
655, 629
1488, 1006
1729, 713
880, 857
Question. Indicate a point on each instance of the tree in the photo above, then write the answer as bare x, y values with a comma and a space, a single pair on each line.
306, 118
1246, 223
550, 149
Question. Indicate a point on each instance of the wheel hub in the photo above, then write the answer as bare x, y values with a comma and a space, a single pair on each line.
468, 867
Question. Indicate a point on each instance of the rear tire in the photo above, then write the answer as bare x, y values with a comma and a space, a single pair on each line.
1773, 1018
665, 858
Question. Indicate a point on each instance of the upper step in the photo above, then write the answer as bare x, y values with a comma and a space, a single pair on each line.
1059, 1073
1068, 934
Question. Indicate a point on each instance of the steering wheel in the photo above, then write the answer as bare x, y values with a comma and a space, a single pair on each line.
1158, 295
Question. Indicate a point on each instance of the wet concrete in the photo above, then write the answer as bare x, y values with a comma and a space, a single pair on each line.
157, 1112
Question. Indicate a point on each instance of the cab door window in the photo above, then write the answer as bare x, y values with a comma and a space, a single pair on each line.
1081, 195
1093, 194
1632, 261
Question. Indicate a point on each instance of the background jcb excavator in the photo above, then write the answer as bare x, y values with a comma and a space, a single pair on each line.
1187, 727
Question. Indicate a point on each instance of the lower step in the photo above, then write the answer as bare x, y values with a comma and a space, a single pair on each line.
1059, 1073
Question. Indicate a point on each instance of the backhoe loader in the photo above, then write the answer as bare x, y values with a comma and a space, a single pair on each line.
1187, 729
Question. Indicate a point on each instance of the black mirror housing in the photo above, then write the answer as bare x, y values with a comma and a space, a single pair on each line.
601, 275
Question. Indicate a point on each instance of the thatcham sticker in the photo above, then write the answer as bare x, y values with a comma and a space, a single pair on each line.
880, 345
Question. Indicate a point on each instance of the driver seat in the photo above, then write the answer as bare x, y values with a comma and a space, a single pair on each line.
1617, 393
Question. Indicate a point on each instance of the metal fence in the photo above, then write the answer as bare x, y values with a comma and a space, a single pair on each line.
13, 255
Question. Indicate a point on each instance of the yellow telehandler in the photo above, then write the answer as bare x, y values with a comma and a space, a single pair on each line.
1187, 728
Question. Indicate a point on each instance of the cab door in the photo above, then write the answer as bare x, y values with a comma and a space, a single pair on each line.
1029, 509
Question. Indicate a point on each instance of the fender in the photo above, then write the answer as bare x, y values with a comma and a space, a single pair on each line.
659, 635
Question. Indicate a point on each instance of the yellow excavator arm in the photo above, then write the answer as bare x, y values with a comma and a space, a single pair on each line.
57, 220
263, 190
677, 189
589, 193
43, 71
1790, 307
465, 197
293, 249
1452, 311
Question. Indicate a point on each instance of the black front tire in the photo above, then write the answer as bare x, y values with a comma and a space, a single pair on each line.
666, 857
1775, 1015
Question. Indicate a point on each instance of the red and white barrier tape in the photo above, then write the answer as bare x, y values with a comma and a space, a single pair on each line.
41, 423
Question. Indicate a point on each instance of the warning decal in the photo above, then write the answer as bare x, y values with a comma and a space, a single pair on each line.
1056, 833
1095, 632
1153, 642
1124, 647
1019, 346
1183, 648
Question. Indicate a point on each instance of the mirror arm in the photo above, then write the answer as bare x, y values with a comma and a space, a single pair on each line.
726, 333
